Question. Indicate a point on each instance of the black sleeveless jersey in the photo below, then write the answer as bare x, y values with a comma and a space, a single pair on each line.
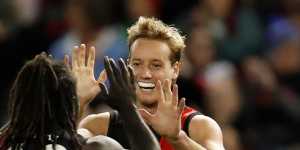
61, 140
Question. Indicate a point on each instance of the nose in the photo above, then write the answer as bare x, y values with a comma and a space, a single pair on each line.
145, 73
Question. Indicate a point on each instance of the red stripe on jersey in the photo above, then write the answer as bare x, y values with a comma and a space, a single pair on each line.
164, 144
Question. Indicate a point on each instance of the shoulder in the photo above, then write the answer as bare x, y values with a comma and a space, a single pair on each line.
205, 130
96, 124
95, 118
102, 143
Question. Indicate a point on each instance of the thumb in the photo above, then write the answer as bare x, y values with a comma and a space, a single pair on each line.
103, 89
146, 116
102, 77
181, 105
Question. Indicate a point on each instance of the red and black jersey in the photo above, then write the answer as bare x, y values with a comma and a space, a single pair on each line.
187, 115
116, 129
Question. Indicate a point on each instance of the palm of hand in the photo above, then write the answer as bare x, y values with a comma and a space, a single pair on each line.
83, 68
167, 119
87, 86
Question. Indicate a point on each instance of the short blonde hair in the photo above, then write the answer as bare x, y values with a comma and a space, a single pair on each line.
152, 28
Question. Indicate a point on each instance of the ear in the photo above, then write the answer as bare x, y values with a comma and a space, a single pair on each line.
176, 68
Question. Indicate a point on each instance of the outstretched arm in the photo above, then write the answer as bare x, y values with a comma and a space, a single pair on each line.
121, 97
100, 143
204, 132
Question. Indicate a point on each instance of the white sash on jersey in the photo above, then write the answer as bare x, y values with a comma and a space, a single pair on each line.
49, 147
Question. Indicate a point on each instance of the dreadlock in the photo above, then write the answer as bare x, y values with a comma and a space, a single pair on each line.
42, 101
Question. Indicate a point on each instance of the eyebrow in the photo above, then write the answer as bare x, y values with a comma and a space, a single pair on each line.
153, 60
136, 59
156, 60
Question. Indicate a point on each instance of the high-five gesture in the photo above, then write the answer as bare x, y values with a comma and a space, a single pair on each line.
83, 61
122, 86
168, 112
122, 97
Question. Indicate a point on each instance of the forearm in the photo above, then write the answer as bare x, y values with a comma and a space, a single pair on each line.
82, 111
139, 134
84, 104
183, 142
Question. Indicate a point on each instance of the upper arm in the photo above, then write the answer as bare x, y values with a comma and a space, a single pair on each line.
206, 132
102, 142
93, 125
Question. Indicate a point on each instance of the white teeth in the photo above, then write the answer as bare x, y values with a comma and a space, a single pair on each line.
146, 90
146, 85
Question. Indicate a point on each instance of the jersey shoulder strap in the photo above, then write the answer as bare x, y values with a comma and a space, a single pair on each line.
187, 115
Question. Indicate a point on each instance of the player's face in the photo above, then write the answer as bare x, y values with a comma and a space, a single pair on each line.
150, 60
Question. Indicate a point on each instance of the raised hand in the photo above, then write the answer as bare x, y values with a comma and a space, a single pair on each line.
121, 97
167, 119
122, 86
83, 60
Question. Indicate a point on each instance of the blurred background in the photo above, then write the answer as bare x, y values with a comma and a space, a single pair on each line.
241, 65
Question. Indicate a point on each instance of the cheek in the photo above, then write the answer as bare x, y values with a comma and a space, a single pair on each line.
136, 72
163, 74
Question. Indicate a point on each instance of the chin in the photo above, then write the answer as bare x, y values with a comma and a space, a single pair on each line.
148, 101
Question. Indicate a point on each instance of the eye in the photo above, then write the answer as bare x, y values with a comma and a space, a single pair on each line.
135, 64
156, 66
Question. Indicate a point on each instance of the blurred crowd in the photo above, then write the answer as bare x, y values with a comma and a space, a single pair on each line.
241, 65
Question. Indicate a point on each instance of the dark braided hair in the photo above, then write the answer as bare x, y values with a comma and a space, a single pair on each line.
42, 101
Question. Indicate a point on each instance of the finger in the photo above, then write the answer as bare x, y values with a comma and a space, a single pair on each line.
146, 116
109, 70
102, 77
75, 53
82, 52
91, 59
132, 77
103, 89
175, 95
67, 60
167, 91
160, 92
181, 106
124, 71
117, 72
